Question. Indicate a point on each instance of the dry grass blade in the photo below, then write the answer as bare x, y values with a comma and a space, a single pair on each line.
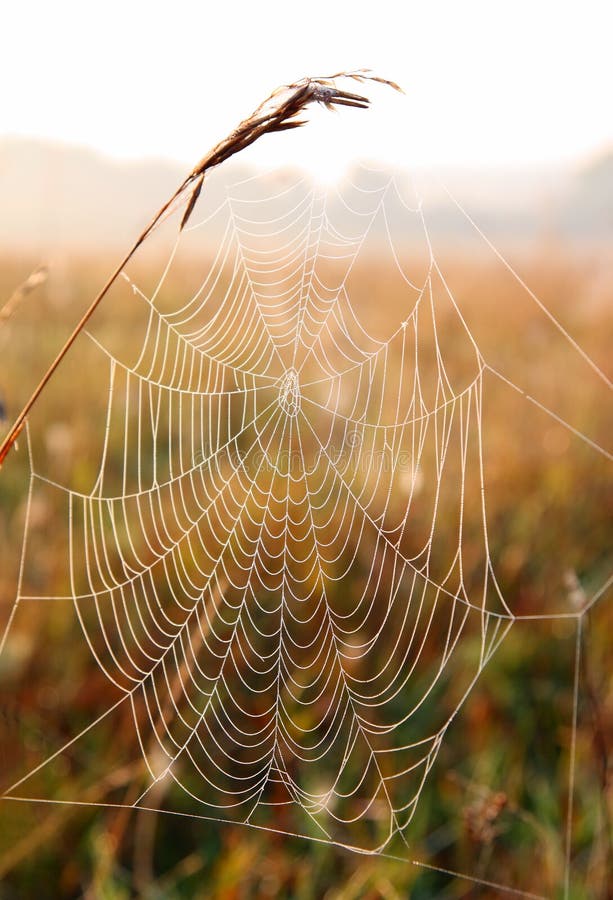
34, 280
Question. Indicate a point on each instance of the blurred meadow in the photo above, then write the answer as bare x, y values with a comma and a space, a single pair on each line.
495, 805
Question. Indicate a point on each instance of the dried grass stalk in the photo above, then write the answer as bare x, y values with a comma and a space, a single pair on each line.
279, 112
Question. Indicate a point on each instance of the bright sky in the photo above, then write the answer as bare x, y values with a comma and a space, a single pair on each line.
487, 81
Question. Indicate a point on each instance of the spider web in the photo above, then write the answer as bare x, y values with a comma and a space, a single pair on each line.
258, 552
